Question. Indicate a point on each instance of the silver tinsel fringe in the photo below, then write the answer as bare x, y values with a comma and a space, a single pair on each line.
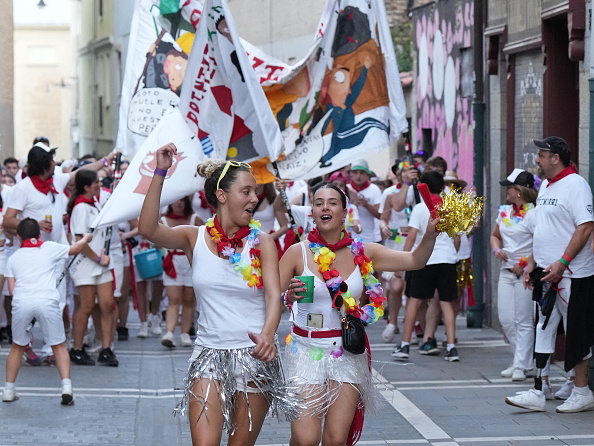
317, 369
220, 368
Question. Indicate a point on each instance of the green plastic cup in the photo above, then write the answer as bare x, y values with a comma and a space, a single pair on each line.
308, 294
394, 234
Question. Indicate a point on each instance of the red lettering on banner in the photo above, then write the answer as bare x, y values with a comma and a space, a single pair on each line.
256, 62
194, 106
271, 70
192, 117
195, 18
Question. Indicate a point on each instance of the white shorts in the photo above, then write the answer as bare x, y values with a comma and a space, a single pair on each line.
183, 271
93, 280
117, 263
3, 259
46, 312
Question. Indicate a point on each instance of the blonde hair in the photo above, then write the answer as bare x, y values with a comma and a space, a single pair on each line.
528, 194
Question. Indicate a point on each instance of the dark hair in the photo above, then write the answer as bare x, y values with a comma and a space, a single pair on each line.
28, 228
10, 160
83, 177
211, 170
43, 139
437, 162
343, 197
39, 161
187, 206
433, 179
312, 183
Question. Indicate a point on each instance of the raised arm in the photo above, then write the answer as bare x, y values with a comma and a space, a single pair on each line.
148, 224
385, 259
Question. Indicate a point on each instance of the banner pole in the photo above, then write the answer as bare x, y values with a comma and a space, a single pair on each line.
286, 201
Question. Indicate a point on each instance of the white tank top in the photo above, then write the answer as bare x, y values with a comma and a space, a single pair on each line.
322, 302
228, 307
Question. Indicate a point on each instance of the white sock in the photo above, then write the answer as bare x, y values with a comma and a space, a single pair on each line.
582, 390
450, 346
9, 386
66, 382
404, 344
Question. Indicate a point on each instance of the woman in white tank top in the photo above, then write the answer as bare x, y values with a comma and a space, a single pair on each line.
234, 370
316, 361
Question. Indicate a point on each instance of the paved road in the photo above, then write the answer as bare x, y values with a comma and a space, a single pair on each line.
428, 401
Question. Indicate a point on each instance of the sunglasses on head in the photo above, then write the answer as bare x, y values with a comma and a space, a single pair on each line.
226, 169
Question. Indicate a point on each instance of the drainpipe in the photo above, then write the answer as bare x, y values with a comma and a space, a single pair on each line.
475, 314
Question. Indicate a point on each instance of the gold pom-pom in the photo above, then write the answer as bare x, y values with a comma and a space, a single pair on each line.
459, 213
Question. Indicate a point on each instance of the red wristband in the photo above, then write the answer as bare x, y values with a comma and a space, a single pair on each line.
566, 257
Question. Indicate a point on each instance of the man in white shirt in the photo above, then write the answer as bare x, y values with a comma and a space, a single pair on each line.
563, 229
369, 198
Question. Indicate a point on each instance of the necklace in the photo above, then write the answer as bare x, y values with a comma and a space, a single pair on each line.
252, 272
324, 257
518, 216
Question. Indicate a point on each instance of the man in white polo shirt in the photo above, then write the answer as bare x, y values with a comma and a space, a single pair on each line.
566, 276
368, 203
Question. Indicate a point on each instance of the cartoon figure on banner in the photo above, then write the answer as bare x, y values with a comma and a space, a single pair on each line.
221, 25
158, 86
352, 86
147, 169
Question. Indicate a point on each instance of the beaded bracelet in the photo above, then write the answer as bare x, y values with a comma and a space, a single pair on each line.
160, 172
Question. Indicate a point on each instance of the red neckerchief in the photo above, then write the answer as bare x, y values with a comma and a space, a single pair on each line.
360, 188
31, 243
516, 208
43, 186
225, 240
173, 216
261, 196
204, 202
315, 237
83, 199
565, 172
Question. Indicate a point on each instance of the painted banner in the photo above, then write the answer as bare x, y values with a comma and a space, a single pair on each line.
181, 180
222, 99
155, 68
345, 99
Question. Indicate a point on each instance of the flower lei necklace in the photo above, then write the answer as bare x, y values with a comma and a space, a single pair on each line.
252, 273
518, 217
324, 258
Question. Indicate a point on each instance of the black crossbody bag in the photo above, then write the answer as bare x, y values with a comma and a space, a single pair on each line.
353, 330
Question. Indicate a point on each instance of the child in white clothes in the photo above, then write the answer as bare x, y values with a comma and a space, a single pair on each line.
32, 272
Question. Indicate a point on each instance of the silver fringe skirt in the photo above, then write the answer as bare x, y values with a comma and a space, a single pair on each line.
233, 373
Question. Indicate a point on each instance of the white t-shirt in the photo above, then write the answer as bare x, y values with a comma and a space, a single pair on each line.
370, 224
397, 219
83, 215
517, 237
560, 209
33, 204
444, 250
36, 270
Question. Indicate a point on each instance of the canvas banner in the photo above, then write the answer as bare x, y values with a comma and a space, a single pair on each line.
181, 180
222, 99
345, 99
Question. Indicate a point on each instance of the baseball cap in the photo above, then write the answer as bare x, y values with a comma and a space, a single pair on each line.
556, 145
362, 165
45, 147
339, 176
519, 177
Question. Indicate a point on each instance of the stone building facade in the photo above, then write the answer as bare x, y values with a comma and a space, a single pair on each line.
7, 76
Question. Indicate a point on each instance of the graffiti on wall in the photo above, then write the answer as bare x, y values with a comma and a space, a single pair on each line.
443, 41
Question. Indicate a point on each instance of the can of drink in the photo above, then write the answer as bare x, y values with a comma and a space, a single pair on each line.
48, 217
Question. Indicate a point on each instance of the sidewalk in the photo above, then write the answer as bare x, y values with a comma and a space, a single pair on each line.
428, 400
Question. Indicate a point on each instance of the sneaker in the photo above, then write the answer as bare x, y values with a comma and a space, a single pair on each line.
532, 400
143, 332
401, 351
107, 357
452, 355
49, 361
429, 348
8, 396
122, 334
577, 403
547, 389
67, 396
518, 375
30, 357
389, 333
419, 331
94, 348
507, 373
168, 340
80, 357
185, 340
565, 391
155, 324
